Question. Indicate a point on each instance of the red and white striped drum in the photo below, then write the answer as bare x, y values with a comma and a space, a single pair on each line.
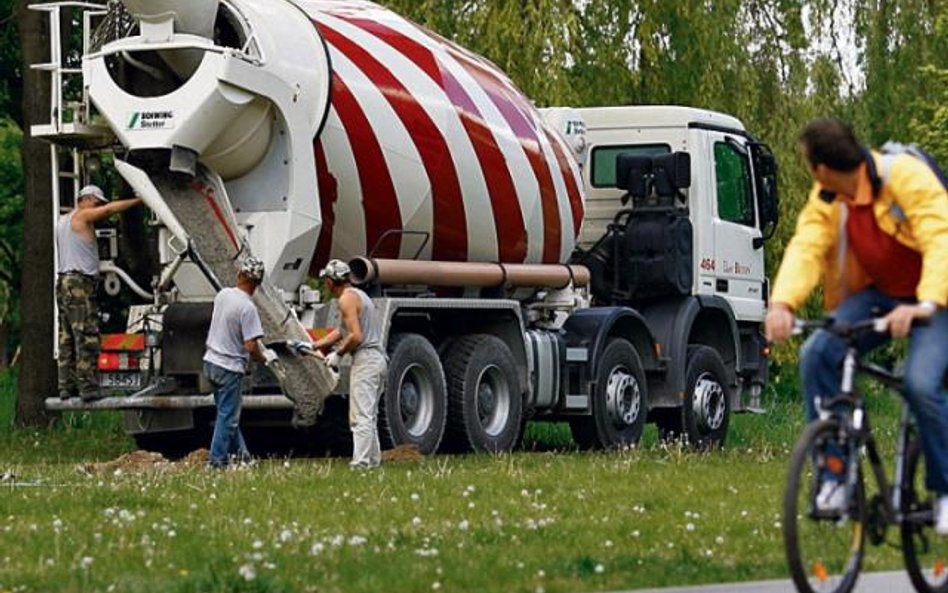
424, 138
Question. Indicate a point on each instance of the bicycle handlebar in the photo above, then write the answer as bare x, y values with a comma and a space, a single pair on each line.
845, 329
842, 329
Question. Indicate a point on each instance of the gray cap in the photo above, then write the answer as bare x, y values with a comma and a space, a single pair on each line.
92, 191
252, 268
336, 270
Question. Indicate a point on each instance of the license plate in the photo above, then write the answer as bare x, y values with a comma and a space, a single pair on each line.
121, 380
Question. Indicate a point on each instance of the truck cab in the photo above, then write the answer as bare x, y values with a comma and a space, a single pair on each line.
679, 203
729, 215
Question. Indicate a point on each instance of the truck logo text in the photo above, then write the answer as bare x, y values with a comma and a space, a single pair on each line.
151, 120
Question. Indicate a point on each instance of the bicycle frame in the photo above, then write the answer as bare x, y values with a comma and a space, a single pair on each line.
856, 431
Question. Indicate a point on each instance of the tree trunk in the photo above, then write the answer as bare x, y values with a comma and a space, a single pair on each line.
37, 376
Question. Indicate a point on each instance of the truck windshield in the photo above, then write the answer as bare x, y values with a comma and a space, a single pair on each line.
603, 172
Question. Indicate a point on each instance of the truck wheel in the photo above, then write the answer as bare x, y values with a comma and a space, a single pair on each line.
485, 404
413, 407
619, 402
705, 414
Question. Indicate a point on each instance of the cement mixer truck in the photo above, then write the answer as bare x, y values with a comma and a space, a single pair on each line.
601, 267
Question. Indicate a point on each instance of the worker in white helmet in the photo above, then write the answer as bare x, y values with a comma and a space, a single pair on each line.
233, 338
77, 275
359, 335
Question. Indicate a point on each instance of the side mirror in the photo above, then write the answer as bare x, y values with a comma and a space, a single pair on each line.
765, 184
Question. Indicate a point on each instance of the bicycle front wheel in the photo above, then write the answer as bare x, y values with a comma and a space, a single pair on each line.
925, 552
824, 548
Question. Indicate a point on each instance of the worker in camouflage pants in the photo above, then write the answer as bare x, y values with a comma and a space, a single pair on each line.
78, 335
77, 274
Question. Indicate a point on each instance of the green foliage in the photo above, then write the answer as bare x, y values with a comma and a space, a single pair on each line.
10, 89
11, 218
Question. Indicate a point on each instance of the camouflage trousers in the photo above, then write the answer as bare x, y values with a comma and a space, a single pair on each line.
78, 334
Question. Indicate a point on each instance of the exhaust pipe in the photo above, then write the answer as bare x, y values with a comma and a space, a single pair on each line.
466, 274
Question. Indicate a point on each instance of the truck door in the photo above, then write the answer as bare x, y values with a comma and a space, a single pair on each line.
738, 265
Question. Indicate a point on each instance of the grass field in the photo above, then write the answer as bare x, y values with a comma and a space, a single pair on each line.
529, 521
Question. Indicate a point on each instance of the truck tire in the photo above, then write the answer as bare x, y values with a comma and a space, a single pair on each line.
619, 402
413, 407
705, 414
485, 404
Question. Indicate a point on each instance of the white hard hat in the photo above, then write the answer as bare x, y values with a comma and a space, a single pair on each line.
92, 191
252, 268
336, 270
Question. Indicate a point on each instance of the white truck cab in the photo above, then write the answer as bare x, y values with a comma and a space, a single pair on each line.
722, 200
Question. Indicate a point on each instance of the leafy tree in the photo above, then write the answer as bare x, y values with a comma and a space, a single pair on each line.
10, 90
11, 231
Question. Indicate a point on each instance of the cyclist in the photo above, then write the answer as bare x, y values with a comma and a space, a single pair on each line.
880, 251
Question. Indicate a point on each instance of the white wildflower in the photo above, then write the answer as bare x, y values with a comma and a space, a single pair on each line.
247, 572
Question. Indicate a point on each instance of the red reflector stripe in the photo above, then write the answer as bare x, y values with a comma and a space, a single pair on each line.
122, 342
118, 361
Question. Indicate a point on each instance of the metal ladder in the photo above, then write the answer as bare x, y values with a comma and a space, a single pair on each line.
69, 135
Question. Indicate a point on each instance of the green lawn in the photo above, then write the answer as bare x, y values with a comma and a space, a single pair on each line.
530, 521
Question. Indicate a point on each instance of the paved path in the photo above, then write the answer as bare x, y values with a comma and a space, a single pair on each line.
889, 582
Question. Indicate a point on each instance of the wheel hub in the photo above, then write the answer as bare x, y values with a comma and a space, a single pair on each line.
623, 398
493, 401
708, 403
416, 401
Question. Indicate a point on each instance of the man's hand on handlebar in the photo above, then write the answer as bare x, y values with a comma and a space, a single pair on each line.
899, 320
778, 325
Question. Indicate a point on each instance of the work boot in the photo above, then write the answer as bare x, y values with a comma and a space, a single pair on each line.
91, 396
941, 515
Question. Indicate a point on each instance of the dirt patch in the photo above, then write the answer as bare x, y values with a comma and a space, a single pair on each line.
136, 461
403, 453
196, 459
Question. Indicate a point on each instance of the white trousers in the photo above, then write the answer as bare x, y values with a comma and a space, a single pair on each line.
366, 380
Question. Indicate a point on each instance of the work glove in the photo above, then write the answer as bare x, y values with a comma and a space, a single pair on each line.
332, 360
269, 356
299, 347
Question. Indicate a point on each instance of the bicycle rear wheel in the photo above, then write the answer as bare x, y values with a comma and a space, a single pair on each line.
824, 550
925, 552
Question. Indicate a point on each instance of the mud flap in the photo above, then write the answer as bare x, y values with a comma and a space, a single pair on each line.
197, 211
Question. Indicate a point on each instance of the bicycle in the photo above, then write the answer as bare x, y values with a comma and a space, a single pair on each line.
825, 548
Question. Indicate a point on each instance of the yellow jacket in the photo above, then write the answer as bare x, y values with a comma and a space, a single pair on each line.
912, 207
